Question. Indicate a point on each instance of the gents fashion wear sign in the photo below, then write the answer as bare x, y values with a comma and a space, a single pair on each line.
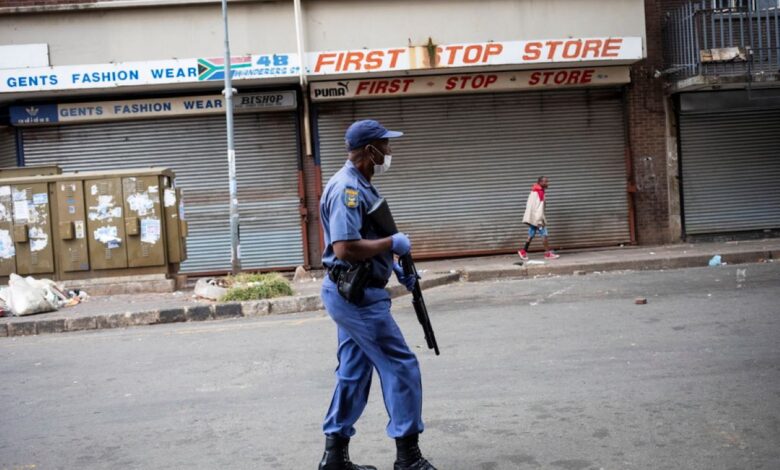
522, 54
158, 72
147, 108
473, 83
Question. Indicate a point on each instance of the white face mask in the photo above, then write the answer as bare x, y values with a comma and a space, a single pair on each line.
380, 169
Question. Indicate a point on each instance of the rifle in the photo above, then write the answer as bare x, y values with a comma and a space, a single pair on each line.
383, 221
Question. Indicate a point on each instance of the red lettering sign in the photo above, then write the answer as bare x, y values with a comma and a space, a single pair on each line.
383, 87
611, 47
533, 51
573, 49
472, 54
472, 82
357, 61
561, 77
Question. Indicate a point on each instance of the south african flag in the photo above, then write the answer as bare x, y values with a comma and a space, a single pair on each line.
214, 69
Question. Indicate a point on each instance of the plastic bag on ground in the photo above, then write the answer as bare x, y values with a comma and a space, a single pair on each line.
207, 288
4, 298
50, 290
4, 310
26, 298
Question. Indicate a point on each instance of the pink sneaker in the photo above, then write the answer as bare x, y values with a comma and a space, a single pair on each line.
523, 255
551, 255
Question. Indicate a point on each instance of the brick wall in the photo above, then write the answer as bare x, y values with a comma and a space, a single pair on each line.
647, 135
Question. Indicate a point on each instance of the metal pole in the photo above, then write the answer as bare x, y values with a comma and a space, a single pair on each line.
302, 75
235, 236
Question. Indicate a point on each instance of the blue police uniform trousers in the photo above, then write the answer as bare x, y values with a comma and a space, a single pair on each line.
370, 338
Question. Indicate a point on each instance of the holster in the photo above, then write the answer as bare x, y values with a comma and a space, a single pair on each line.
351, 282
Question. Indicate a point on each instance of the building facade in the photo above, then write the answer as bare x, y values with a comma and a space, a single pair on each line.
722, 70
490, 94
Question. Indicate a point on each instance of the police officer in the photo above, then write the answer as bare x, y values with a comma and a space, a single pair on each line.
368, 336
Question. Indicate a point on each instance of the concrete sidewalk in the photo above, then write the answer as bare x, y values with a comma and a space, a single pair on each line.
147, 309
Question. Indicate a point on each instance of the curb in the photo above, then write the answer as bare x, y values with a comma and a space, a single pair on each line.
650, 264
220, 311
307, 303
678, 262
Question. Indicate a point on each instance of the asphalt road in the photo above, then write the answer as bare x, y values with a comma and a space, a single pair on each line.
556, 373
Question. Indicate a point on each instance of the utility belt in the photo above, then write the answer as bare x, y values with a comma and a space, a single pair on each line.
352, 282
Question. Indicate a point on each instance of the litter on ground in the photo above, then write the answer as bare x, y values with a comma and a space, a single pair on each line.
27, 296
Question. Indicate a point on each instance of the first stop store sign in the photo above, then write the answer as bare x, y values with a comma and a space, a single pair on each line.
469, 83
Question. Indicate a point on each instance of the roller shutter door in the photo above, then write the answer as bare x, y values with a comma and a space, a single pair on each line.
463, 170
730, 171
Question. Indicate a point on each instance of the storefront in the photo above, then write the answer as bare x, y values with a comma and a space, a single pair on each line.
483, 121
730, 160
187, 134
475, 143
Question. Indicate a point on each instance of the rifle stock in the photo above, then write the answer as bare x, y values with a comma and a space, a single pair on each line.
382, 219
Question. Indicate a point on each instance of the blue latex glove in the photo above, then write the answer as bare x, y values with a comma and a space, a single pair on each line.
401, 244
407, 281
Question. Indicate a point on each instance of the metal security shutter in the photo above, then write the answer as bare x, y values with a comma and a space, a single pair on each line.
7, 147
731, 171
195, 148
463, 170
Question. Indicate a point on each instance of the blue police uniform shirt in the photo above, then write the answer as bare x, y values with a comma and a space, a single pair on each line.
347, 198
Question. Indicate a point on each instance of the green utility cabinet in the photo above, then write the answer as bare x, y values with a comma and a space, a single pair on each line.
90, 224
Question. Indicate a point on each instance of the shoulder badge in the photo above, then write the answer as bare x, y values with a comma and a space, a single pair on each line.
351, 197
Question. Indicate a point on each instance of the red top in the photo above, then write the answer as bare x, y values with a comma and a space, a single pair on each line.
539, 189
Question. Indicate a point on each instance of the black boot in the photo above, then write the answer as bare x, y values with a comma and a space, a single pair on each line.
409, 455
336, 456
